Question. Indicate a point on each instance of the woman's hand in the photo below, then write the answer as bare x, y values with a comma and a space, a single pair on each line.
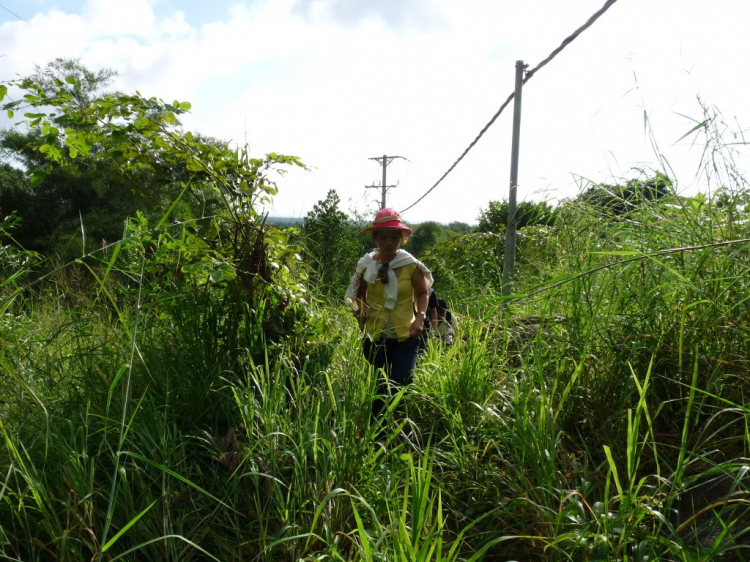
417, 326
364, 314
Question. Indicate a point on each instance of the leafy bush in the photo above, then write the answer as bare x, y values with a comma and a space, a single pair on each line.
528, 213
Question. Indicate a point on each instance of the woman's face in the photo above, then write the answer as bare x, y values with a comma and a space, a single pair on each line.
387, 241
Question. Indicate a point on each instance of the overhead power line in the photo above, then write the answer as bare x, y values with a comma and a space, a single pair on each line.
13, 14
528, 76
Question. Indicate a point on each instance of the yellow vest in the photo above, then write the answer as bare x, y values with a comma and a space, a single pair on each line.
402, 315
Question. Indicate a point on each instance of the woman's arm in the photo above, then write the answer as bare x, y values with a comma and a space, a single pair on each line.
420, 298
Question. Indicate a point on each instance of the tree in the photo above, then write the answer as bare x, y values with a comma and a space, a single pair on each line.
495, 217
424, 236
332, 245
86, 198
80, 83
86, 201
458, 228
230, 263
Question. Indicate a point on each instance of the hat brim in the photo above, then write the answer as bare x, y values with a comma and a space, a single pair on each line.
386, 226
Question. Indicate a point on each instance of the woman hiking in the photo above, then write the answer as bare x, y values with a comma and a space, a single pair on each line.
389, 291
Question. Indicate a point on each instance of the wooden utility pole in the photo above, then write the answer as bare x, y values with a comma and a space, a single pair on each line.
509, 262
384, 187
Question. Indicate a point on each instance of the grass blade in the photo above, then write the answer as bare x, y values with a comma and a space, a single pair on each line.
129, 524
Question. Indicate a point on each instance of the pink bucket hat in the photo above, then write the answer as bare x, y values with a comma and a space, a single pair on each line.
388, 218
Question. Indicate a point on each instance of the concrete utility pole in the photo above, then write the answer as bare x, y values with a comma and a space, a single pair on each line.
384, 187
509, 263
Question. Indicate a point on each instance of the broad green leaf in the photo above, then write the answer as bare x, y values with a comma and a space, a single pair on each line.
3, 91
71, 80
185, 105
227, 272
194, 267
73, 152
36, 179
10, 114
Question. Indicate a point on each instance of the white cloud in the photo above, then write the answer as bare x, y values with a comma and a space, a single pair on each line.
396, 14
105, 18
336, 83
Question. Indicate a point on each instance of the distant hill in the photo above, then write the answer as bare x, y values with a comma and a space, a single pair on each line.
285, 221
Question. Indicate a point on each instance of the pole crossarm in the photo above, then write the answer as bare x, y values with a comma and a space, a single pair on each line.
384, 161
388, 158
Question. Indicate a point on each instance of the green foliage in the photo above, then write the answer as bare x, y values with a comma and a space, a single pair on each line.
332, 245
81, 83
237, 274
622, 199
15, 261
457, 228
528, 213
85, 200
425, 235
467, 263
463, 265
82, 203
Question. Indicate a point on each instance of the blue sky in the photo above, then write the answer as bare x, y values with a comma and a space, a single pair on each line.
197, 12
338, 81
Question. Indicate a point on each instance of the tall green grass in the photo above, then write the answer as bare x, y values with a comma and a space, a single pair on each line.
597, 415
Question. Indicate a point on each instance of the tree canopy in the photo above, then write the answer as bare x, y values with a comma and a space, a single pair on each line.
528, 213
332, 243
110, 160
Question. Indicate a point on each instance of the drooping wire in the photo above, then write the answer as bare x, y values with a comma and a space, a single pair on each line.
528, 76
13, 13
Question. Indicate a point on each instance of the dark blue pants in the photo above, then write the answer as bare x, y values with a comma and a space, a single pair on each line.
396, 358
